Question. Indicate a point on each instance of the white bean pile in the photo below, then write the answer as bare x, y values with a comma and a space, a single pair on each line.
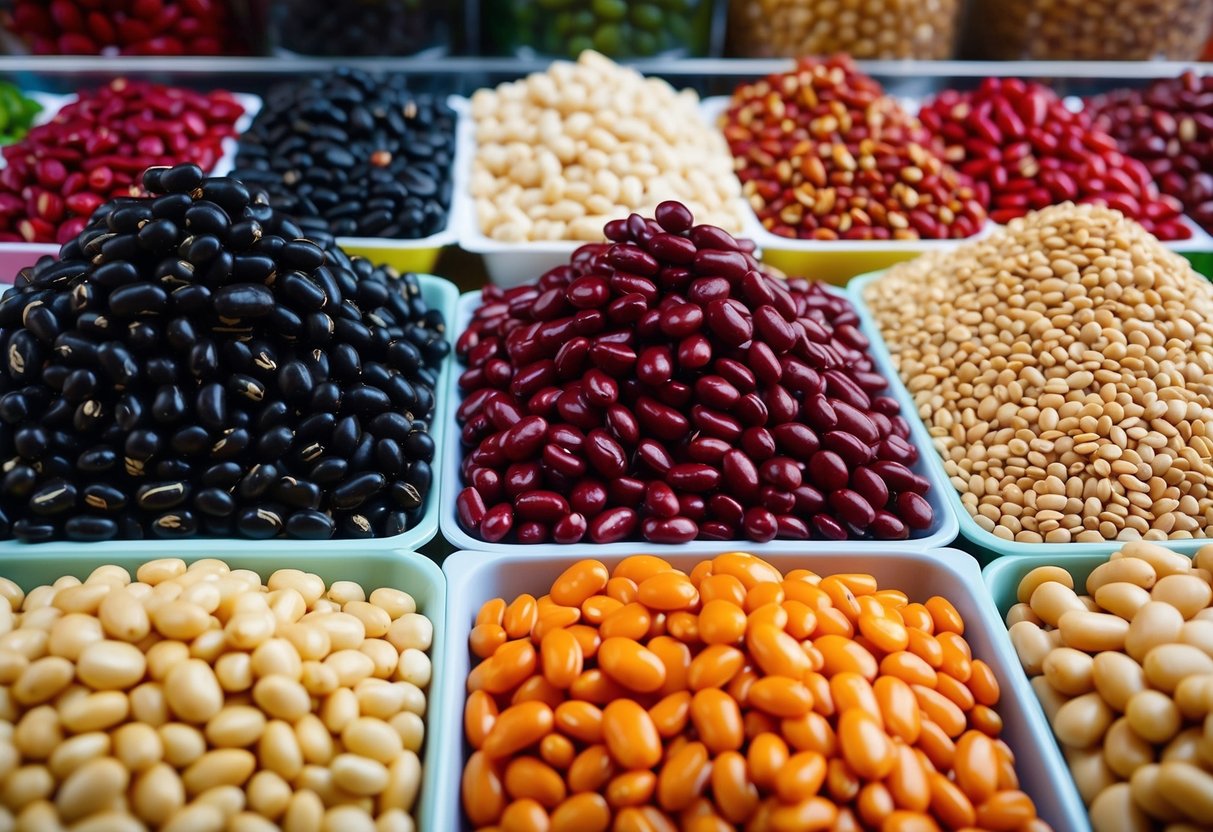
195, 698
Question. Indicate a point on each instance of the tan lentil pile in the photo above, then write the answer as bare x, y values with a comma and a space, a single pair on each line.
1064, 369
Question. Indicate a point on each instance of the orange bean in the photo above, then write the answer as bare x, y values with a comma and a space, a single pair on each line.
939, 709
841, 596
899, 708
918, 617
579, 582
676, 658
976, 766
984, 684
846, 822
875, 803
518, 727
858, 583
801, 776
595, 686
485, 639
683, 626
937, 745
629, 621
483, 792
811, 732
557, 751
702, 570
776, 652
631, 664
643, 819
766, 757
956, 691
841, 781
871, 605
668, 592
833, 622
735, 795
683, 777
491, 611
671, 714
954, 661
842, 654
739, 686
808, 594
537, 689
802, 620
596, 608
553, 617
520, 616
591, 769
587, 638
630, 734
524, 816
746, 568
722, 622
632, 788
986, 720
769, 614
1006, 811
722, 587
714, 667
888, 635
717, 720
582, 813
580, 720
705, 823
944, 616
622, 590
479, 714
908, 667
762, 594
639, 567
864, 744
507, 669
527, 777
894, 599
780, 697
823, 697
926, 647
561, 658
908, 782
903, 821
850, 690
815, 813
950, 805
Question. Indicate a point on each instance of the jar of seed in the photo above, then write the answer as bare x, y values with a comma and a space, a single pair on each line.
362, 27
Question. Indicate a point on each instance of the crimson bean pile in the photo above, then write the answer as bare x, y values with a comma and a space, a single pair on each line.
192, 365
128, 27
1169, 127
824, 154
96, 147
661, 385
1028, 151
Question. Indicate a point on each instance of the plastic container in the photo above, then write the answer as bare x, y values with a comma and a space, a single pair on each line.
473, 578
361, 28
345, 561
942, 532
438, 294
987, 546
885, 29
1046, 30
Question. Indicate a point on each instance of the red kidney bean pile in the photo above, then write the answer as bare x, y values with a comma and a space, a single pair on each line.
127, 27
1169, 127
1027, 150
96, 147
824, 154
662, 386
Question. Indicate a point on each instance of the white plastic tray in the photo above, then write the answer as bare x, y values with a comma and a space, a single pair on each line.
473, 578
942, 532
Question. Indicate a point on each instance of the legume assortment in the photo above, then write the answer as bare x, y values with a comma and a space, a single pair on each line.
128, 27
1125, 674
192, 365
196, 698
647, 698
562, 152
663, 385
1062, 367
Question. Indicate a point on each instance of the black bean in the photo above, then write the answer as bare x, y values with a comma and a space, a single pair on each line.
54, 497
298, 493
328, 470
275, 442
309, 525
405, 494
104, 497
175, 525
33, 531
231, 444
158, 496
325, 398
222, 475
90, 529
258, 480
19, 482
244, 300
180, 179
214, 502
169, 404
259, 523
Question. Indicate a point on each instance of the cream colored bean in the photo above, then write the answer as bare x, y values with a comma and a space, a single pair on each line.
43, 618
414, 668
378, 698
1184, 748
279, 750
411, 729
183, 744
304, 814
1124, 750
282, 697
157, 571
9, 758
359, 775
339, 709
1143, 784
311, 642
209, 646
1051, 600
1122, 598
1082, 721
318, 679
196, 817
26, 784
1022, 612
1153, 716
411, 630
42, 680
414, 697
148, 704
276, 655
37, 733
95, 711
234, 671
164, 656
1189, 789
347, 819
1133, 571
222, 767
71, 633
268, 794
1069, 671
325, 606
236, 726
29, 643
395, 820
1154, 624
245, 631
310, 586
15, 596
1164, 561
180, 621
138, 746
345, 592
404, 781
393, 601
192, 691
375, 620
111, 665
112, 821
1093, 631
1199, 634
13, 664
1186, 592
1042, 574
109, 573
314, 740
1194, 696
1032, 644
38, 816
383, 657
1114, 810
287, 605
372, 738
91, 788
74, 752
345, 631
1167, 664
351, 666
82, 598
319, 779
122, 616
250, 822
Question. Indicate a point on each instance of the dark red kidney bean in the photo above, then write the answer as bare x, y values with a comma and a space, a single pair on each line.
599, 388
752, 410
715, 424
711, 237
704, 290
841, 386
488, 483
660, 500
707, 449
671, 248
694, 352
851, 336
488, 455
589, 292
716, 530
898, 450
729, 325
482, 352
497, 522
674, 217
725, 508
561, 460
855, 422
588, 497
549, 305
613, 359
796, 439
887, 526
533, 377
523, 440
552, 334
661, 421
655, 366
914, 510
886, 405
758, 443
740, 475
475, 429
497, 373
693, 476
852, 508
589, 322
472, 379
755, 289
716, 391
901, 428
531, 533
625, 491
681, 320
675, 394
809, 500
828, 527
779, 502
763, 362
622, 283
828, 471
791, 528
897, 476
670, 530
654, 455
547, 506
543, 403
783, 301
648, 328
736, 373
627, 309
469, 507
760, 524
522, 477
629, 257
621, 423
819, 413
573, 408
871, 382
571, 358
850, 448
732, 265
781, 405
613, 525
693, 505
781, 472
605, 454
570, 529
882, 423
502, 412
870, 486
801, 378
773, 329
470, 406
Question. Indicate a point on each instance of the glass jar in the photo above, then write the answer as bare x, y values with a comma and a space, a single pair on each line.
1088, 30
923, 29
616, 28
335, 28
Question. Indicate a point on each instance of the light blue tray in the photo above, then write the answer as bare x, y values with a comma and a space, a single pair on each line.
942, 531
438, 294
989, 545
348, 560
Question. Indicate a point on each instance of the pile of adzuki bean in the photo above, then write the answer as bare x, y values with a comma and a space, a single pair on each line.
662, 386
96, 147
128, 27
1169, 127
824, 154
1027, 151
191, 365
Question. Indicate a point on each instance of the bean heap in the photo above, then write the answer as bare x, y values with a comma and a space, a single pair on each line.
881, 29
671, 388
1169, 127
358, 150
17, 113
1027, 150
128, 27
96, 147
619, 28
651, 699
1063, 367
381, 27
824, 154
562, 152
192, 366
197, 699
1128, 683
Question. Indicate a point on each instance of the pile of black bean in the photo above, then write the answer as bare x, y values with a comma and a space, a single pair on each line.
359, 151
367, 27
193, 366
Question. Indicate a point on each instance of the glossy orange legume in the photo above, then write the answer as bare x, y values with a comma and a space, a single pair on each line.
651, 699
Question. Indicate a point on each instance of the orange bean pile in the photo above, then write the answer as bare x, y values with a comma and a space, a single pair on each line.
650, 700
